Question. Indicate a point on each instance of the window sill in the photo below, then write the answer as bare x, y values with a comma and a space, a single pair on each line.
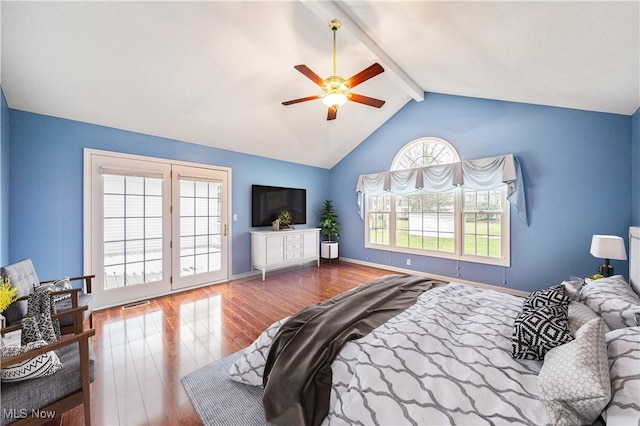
504, 261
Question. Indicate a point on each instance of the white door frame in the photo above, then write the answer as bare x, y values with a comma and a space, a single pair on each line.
90, 235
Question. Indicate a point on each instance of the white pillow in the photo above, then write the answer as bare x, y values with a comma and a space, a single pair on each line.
573, 382
579, 314
249, 368
614, 300
572, 288
623, 347
39, 366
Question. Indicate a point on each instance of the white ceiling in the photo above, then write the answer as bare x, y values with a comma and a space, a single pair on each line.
215, 73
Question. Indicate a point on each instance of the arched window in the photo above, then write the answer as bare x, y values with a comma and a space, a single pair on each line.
458, 223
425, 152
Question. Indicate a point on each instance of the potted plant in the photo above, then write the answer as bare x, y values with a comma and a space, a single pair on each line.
329, 227
285, 219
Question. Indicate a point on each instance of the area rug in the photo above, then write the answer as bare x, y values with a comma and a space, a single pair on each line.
220, 401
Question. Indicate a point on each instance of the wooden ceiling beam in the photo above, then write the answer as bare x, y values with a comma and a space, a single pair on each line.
328, 10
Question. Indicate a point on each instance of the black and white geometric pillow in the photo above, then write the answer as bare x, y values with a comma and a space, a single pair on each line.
57, 285
538, 331
551, 296
39, 366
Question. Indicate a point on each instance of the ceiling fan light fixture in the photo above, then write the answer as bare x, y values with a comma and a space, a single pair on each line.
335, 97
336, 89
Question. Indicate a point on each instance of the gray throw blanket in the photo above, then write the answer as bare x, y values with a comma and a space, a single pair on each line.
297, 375
38, 325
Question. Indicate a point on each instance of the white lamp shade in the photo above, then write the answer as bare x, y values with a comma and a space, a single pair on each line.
608, 247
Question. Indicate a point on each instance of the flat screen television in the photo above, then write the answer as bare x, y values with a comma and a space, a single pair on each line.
268, 201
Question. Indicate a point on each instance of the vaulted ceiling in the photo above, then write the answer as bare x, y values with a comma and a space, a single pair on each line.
215, 73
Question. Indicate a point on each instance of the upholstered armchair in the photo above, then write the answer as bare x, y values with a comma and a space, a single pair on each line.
39, 387
23, 276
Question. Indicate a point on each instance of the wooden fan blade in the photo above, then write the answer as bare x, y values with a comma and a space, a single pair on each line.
364, 75
310, 74
295, 101
354, 97
332, 113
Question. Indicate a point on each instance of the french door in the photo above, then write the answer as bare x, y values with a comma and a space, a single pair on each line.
199, 226
152, 226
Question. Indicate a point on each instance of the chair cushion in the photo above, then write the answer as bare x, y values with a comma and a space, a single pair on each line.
38, 393
23, 276
84, 300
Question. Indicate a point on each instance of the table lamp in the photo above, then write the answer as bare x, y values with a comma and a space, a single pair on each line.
608, 247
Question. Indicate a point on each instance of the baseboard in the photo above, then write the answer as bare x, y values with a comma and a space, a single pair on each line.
437, 277
244, 275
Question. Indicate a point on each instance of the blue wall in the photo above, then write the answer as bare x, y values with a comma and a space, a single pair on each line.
46, 197
577, 169
4, 179
635, 161
577, 173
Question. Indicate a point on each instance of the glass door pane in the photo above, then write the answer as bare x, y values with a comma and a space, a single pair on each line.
200, 227
200, 217
132, 253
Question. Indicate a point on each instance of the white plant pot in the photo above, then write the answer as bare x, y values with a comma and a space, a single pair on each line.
329, 250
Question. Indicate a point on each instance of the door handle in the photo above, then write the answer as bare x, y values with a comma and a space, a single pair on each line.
225, 229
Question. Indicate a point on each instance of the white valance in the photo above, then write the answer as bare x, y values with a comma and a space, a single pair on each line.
483, 173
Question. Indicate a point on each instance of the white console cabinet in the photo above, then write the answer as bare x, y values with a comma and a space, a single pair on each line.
278, 249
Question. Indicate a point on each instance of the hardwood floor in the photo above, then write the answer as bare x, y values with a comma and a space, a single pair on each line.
143, 352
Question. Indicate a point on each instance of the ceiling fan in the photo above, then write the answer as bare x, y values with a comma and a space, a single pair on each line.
337, 89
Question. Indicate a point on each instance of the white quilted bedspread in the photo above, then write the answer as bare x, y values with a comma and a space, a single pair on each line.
445, 360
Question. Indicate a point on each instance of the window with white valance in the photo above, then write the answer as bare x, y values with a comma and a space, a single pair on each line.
432, 203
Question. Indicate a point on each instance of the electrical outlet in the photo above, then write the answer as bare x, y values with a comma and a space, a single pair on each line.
408, 262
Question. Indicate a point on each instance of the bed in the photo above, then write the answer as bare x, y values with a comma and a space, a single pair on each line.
568, 354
